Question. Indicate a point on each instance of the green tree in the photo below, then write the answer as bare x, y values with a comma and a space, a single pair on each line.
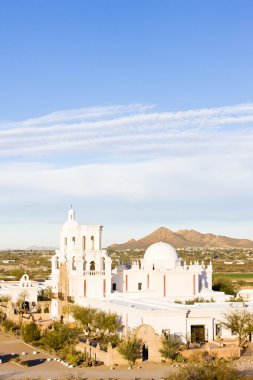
171, 346
240, 322
45, 294
107, 321
20, 304
129, 349
84, 315
60, 336
225, 285
88, 317
30, 332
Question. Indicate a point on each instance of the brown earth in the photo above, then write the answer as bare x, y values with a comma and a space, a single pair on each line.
184, 239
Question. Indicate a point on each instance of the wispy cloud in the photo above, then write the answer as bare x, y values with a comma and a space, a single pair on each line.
118, 130
194, 164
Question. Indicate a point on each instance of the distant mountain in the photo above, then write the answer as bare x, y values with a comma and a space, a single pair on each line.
38, 248
184, 239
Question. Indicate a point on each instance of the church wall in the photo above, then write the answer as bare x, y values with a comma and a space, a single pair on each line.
169, 284
156, 282
173, 321
131, 280
181, 283
118, 280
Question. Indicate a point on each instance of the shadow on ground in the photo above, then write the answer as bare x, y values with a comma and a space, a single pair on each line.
7, 357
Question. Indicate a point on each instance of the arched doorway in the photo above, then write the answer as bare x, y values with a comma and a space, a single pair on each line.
144, 352
92, 265
151, 343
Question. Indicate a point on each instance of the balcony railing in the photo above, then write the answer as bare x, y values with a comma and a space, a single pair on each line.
94, 273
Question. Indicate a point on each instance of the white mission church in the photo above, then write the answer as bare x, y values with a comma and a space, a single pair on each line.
143, 294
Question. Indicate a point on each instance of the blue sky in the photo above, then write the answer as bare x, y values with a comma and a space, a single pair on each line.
139, 113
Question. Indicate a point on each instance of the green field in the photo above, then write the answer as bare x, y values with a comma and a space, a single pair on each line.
234, 275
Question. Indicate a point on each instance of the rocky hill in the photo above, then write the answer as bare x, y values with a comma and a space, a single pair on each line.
184, 239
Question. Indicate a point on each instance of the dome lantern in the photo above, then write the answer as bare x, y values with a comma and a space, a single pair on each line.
71, 222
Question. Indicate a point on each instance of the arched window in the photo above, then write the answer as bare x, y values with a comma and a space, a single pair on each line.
84, 265
74, 263
73, 241
57, 262
103, 263
92, 265
84, 243
65, 242
92, 242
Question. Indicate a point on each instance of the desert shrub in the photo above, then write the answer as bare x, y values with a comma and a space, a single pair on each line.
198, 356
30, 332
61, 335
236, 299
83, 315
8, 325
129, 349
106, 321
114, 339
198, 300
206, 370
171, 347
225, 285
91, 318
74, 358
4, 298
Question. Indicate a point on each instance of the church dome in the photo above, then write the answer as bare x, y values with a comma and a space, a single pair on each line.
161, 255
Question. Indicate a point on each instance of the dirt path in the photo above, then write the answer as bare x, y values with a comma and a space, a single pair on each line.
53, 370
43, 369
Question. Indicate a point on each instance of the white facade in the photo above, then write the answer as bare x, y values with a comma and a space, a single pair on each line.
161, 273
14, 289
81, 268
143, 294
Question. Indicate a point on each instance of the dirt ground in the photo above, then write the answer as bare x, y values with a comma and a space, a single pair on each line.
42, 369
45, 370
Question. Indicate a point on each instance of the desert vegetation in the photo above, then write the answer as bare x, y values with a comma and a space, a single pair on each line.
130, 348
235, 264
14, 263
61, 338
